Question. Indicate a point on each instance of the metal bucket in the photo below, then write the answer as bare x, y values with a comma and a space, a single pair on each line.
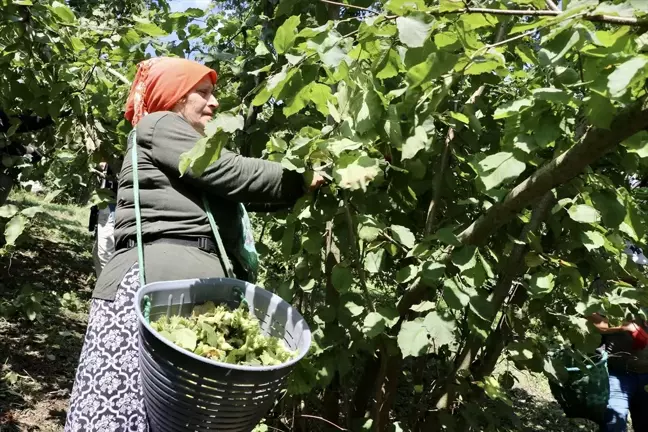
187, 392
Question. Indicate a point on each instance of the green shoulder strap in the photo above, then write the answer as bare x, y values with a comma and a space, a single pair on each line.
229, 270
138, 214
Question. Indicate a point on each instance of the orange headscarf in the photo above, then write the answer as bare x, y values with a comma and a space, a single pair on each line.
160, 83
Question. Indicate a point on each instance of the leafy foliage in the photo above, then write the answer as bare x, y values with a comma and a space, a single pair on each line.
477, 165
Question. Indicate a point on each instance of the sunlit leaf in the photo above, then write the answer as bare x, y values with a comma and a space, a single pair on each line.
413, 338
63, 12
413, 30
584, 213
286, 34
14, 229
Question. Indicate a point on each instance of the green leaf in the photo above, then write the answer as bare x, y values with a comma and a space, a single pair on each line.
499, 168
592, 240
413, 30
463, 118
369, 229
445, 39
423, 306
8, 210
413, 338
77, 44
401, 7
551, 94
30, 212
432, 272
226, 122
512, 108
341, 145
392, 128
633, 224
451, 5
584, 214
599, 110
207, 150
482, 307
14, 228
285, 7
611, 206
483, 64
353, 308
320, 95
63, 12
447, 236
440, 330
638, 144
341, 278
203, 153
286, 34
185, 338
571, 277
625, 74
369, 113
406, 274
541, 284
262, 97
471, 268
456, 295
149, 28
389, 66
476, 21
356, 172
374, 324
403, 235
307, 285
415, 143
373, 260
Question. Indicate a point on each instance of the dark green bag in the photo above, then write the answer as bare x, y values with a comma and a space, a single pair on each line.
584, 391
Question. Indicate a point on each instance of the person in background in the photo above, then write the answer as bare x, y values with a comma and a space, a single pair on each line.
627, 356
102, 221
628, 370
170, 103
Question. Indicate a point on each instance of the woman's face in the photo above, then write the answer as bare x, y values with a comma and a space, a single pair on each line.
198, 106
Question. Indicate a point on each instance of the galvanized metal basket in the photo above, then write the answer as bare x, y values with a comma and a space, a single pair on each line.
187, 392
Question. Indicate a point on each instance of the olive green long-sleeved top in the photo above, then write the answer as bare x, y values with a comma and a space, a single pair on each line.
171, 205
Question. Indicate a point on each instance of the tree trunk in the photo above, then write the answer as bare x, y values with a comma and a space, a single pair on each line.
388, 392
332, 392
365, 389
6, 184
497, 340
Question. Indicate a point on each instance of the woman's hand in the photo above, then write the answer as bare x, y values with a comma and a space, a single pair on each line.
316, 182
313, 180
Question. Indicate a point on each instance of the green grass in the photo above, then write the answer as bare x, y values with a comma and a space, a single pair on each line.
47, 277
58, 222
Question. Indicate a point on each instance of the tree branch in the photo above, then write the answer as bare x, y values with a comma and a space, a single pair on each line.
356, 251
349, 6
513, 12
551, 5
325, 421
595, 143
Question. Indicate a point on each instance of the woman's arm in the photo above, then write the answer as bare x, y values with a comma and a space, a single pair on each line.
232, 176
603, 325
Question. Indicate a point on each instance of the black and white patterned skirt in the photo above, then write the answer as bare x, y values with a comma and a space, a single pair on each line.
107, 394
